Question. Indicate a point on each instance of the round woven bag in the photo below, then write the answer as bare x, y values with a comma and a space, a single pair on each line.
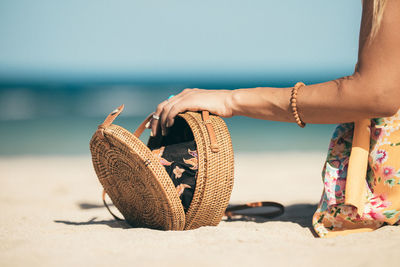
140, 187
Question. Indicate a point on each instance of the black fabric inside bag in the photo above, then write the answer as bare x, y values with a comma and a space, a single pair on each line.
181, 163
177, 152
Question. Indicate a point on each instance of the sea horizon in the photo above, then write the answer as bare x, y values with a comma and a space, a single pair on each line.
59, 118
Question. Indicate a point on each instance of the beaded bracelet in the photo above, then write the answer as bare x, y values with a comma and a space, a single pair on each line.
293, 101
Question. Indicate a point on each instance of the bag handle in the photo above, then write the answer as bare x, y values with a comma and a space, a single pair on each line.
105, 204
230, 210
107, 122
142, 126
138, 132
205, 115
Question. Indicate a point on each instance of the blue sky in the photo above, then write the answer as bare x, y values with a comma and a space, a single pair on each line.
70, 39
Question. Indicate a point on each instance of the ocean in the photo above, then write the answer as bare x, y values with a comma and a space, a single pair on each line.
59, 118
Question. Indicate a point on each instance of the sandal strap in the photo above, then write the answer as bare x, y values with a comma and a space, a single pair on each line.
232, 209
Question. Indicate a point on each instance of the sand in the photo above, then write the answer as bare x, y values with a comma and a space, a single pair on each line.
52, 215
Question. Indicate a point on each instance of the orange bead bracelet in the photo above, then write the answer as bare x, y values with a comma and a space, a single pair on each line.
293, 104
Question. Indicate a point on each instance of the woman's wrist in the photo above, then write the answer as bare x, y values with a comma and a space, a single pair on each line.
235, 102
262, 103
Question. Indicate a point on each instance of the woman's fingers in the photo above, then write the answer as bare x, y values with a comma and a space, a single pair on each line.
171, 105
163, 116
168, 115
166, 111
173, 112
176, 105
155, 123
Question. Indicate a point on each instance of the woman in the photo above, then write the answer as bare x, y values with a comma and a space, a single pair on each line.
371, 95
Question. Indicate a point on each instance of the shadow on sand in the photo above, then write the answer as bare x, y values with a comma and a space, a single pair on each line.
296, 213
86, 206
111, 223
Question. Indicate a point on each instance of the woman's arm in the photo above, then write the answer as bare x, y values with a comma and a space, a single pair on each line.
372, 91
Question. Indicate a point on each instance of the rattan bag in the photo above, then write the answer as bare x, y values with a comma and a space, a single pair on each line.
141, 189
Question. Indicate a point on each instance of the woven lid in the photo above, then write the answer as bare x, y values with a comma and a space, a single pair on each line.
139, 185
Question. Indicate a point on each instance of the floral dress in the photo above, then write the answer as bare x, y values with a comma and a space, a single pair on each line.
382, 199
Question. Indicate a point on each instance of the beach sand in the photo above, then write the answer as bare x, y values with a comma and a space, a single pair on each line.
52, 215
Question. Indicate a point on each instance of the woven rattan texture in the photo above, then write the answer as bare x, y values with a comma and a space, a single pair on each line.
141, 189
214, 180
136, 182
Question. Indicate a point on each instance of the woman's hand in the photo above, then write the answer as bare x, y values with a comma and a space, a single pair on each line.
215, 101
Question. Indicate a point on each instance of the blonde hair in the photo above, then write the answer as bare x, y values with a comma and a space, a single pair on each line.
377, 15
